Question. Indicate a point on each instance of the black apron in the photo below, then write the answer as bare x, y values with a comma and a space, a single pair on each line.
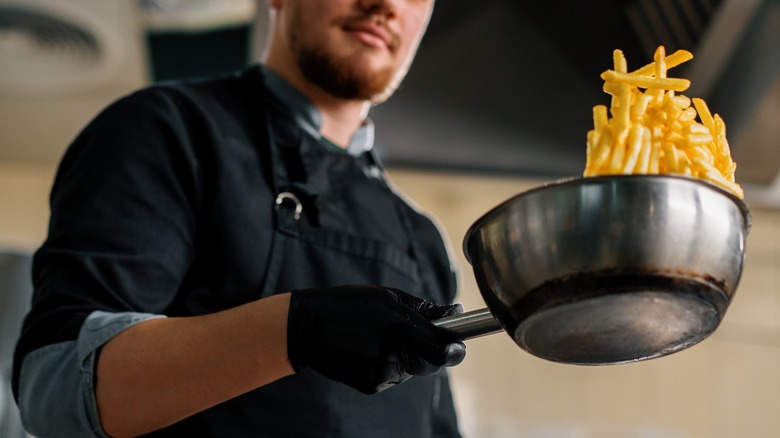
338, 222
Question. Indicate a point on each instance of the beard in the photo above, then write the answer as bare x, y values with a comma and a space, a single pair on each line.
343, 79
339, 76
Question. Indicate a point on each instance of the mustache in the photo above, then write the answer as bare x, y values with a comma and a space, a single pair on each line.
394, 41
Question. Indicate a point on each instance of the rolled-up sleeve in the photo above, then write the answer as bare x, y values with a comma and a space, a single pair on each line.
56, 385
120, 243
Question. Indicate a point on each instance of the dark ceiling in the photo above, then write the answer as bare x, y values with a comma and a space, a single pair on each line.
505, 86
499, 86
508, 87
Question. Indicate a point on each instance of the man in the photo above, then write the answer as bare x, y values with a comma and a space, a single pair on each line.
225, 257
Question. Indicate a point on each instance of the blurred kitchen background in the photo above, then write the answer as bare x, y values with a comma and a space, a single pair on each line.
498, 101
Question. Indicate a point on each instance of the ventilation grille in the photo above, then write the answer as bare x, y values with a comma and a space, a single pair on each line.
674, 24
35, 44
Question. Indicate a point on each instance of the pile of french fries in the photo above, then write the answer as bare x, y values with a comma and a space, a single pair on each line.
654, 130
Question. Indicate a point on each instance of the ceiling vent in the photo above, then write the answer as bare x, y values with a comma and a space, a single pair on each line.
34, 44
675, 24
518, 100
737, 68
60, 63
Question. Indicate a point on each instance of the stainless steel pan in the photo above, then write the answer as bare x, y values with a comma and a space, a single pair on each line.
606, 270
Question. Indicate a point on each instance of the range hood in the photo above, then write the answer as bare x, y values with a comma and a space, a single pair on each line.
503, 88
508, 87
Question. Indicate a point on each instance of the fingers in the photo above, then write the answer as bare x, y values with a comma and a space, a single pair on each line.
438, 312
448, 355
371, 380
432, 344
454, 354
429, 310
369, 337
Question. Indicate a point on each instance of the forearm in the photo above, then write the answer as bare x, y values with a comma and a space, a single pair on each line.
164, 370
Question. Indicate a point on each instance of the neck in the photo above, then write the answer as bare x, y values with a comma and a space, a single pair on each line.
340, 117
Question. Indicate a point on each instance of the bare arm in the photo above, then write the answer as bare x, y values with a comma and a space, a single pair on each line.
163, 370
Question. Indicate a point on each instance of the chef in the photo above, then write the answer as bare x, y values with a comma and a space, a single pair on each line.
227, 258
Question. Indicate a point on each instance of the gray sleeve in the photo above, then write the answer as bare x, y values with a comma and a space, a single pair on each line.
56, 385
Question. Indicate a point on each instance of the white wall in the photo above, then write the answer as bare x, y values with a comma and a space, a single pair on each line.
727, 386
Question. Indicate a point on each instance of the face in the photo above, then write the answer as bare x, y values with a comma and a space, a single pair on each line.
353, 49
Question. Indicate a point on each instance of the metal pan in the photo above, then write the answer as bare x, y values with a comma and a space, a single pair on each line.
606, 270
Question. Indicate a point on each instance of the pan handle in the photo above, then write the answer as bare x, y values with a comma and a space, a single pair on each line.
471, 324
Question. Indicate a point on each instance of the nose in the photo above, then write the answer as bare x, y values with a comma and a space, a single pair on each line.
380, 6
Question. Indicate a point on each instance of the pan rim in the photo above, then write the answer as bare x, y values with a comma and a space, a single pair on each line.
597, 180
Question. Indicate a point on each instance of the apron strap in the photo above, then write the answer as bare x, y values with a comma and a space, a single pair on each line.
287, 206
287, 210
406, 221
287, 167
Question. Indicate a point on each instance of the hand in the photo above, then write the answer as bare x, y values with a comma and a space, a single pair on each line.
369, 337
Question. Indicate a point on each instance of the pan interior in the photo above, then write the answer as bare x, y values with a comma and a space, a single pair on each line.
617, 328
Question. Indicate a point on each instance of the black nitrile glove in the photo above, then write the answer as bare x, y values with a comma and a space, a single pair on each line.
369, 337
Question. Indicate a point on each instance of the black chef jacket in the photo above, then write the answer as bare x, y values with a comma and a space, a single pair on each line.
167, 204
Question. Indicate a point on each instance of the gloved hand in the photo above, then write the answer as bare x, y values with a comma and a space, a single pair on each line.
369, 337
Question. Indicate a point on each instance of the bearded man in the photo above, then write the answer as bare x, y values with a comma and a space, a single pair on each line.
226, 257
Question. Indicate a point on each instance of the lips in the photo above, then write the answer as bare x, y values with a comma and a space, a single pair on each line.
373, 34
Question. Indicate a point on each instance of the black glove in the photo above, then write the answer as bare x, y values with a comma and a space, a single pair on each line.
369, 337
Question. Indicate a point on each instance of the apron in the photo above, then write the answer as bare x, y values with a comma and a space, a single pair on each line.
337, 222
319, 243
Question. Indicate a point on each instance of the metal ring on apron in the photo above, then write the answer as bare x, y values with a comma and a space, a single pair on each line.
281, 197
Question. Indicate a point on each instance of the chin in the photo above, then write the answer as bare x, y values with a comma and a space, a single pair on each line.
389, 88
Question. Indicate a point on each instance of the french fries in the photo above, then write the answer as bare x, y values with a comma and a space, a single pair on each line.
654, 130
